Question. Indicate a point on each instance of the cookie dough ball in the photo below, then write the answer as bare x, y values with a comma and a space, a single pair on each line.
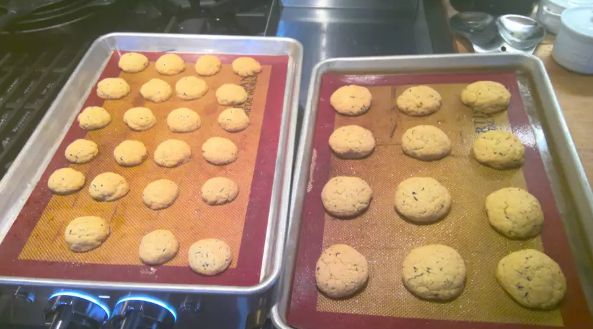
351, 100
514, 213
172, 153
139, 118
158, 247
170, 64
233, 120
220, 151
426, 143
499, 149
183, 120
108, 187
93, 118
81, 151
352, 142
208, 65
486, 97
210, 256
86, 233
160, 194
219, 190
156, 90
130, 153
112, 88
188, 88
66, 181
346, 196
246, 66
532, 279
419, 101
231, 94
341, 271
133, 62
434, 272
422, 199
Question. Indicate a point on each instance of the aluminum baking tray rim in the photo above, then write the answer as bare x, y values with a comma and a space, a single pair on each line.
16, 186
572, 169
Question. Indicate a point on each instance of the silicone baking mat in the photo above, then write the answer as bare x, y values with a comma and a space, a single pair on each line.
385, 238
35, 247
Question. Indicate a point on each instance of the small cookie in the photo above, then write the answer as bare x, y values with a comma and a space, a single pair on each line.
434, 272
231, 94
352, 142
86, 233
246, 66
108, 186
133, 62
499, 149
514, 213
422, 199
81, 151
183, 120
426, 143
139, 118
170, 64
346, 196
188, 88
233, 120
341, 271
130, 153
65, 181
113, 88
160, 194
486, 97
419, 101
219, 190
93, 118
158, 247
156, 90
172, 153
351, 100
532, 278
210, 256
220, 151
208, 65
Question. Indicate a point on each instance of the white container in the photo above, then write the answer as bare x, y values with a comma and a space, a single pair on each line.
549, 12
573, 48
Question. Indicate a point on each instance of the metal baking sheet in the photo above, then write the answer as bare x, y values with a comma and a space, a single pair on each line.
26, 227
551, 156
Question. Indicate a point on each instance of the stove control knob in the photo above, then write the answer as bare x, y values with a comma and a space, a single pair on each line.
142, 312
80, 310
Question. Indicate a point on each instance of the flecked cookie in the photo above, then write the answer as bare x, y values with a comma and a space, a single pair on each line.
86, 233
170, 64
158, 247
514, 213
188, 88
219, 190
66, 181
499, 149
210, 256
426, 143
160, 194
346, 196
220, 151
208, 65
231, 94
139, 118
183, 120
419, 101
156, 90
422, 199
93, 118
81, 151
341, 271
130, 153
246, 66
108, 186
352, 142
351, 100
113, 88
486, 97
233, 120
133, 62
172, 153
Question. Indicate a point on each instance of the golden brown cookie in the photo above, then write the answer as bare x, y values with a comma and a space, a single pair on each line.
486, 97
346, 196
208, 65
246, 66
231, 94
352, 142
172, 153
499, 149
210, 256
220, 151
188, 88
112, 88
419, 101
351, 100
514, 213
86, 233
219, 190
170, 64
426, 143
81, 151
422, 199
133, 62
156, 90
341, 271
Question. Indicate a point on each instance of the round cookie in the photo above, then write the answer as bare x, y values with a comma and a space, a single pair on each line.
422, 199
246, 66
86, 233
93, 118
514, 213
81, 151
158, 247
112, 88
160, 194
341, 271
208, 65
434, 272
139, 118
156, 90
183, 120
172, 153
219, 190
170, 64
210, 256
231, 94
65, 181
346, 196
532, 279
108, 186
133, 62
219, 151
233, 120
351, 100
188, 88
426, 143
486, 97
352, 142
499, 149
419, 101
130, 153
